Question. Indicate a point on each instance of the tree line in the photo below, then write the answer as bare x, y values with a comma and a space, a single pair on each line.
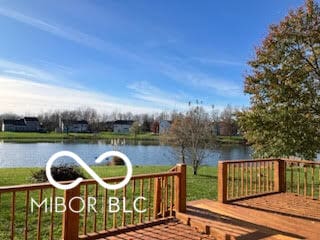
97, 121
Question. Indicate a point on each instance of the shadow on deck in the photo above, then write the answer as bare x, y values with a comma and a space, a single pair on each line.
274, 216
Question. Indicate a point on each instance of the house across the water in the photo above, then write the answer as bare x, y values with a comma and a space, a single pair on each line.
27, 124
122, 126
73, 126
164, 126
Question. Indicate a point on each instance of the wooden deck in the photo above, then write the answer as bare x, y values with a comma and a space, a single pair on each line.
163, 229
275, 216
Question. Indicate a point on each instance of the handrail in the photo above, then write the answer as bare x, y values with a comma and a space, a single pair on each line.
249, 160
248, 178
37, 186
301, 161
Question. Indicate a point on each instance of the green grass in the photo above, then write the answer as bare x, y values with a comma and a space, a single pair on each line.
204, 185
52, 137
34, 136
231, 139
207, 176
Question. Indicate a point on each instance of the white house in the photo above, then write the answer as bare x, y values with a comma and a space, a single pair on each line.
122, 126
164, 126
68, 126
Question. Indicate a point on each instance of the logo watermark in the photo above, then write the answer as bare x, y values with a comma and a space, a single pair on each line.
59, 204
89, 170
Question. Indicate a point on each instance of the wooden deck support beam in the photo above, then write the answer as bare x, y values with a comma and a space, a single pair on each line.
222, 182
70, 224
181, 188
280, 175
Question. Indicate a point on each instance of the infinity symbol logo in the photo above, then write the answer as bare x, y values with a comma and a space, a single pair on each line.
89, 170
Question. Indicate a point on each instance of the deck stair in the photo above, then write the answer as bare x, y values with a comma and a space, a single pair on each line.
239, 221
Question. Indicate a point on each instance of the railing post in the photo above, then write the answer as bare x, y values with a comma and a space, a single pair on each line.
222, 182
156, 197
181, 188
70, 225
280, 175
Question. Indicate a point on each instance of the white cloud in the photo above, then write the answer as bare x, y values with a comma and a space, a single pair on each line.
23, 96
145, 91
21, 70
220, 86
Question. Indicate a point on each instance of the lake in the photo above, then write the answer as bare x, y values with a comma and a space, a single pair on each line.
139, 152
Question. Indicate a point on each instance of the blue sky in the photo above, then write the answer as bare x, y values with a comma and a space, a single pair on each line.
139, 56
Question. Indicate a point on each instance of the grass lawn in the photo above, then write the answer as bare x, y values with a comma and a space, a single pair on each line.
231, 139
51, 137
204, 185
34, 136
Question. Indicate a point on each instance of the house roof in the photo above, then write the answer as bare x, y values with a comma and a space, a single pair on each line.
74, 122
31, 119
124, 122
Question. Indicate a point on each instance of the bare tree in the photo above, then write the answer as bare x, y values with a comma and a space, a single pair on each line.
192, 133
135, 129
228, 119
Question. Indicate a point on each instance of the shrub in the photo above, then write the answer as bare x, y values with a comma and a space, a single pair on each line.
59, 173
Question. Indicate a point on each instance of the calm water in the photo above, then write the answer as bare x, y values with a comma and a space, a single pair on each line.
140, 153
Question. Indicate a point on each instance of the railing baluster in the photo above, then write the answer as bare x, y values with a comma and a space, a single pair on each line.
39, 216
233, 179
149, 198
114, 224
242, 178
291, 177
163, 193
229, 181
141, 201
95, 213
124, 194
312, 182
238, 179
250, 167
267, 176
13, 206
26, 216
166, 195
263, 176
256, 178
132, 199
172, 196
246, 175
259, 176
85, 215
305, 181
298, 185
105, 210
53, 194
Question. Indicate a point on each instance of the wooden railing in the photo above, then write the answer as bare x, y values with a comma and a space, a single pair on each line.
303, 178
165, 194
248, 178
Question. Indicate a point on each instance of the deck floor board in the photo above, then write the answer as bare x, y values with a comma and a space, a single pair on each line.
276, 216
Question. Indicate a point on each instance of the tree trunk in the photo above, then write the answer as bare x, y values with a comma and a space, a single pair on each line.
183, 160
